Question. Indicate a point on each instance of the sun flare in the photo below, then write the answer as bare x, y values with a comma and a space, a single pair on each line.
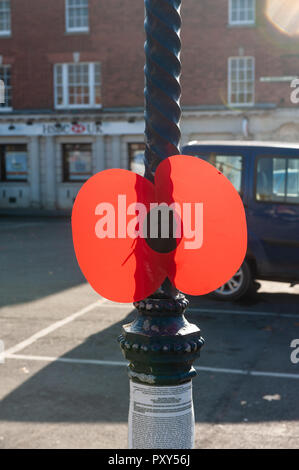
284, 15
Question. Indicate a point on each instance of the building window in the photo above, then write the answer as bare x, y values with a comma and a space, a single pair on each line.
77, 162
277, 180
13, 163
241, 76
77, 19
5, 24
78, 85
5, 76
136, 158
241, 12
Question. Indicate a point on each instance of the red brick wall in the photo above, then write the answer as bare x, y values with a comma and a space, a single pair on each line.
116, 40
208, 42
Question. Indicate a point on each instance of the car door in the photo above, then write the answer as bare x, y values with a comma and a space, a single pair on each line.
273, 215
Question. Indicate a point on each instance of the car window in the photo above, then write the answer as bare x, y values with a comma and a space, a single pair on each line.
277, 179
229, 165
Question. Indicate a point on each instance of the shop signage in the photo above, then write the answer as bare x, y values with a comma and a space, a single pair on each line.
89, 128
69, 128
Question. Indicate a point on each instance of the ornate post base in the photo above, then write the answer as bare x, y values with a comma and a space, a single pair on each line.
161, 346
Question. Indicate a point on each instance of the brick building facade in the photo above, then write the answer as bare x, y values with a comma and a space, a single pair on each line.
73, 76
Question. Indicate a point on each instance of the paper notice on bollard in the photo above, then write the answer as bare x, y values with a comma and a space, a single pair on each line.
161, 417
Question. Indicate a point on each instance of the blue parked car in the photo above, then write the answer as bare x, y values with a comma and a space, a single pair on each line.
266, 175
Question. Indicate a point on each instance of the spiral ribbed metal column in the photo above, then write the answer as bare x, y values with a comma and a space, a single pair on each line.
162, 81
160, 344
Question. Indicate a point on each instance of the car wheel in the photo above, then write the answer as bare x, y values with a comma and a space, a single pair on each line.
240, 285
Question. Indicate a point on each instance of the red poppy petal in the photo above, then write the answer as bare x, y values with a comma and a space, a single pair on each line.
219, 246
120, 269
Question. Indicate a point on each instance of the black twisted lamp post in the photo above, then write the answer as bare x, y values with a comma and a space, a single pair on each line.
162, 82
161, 345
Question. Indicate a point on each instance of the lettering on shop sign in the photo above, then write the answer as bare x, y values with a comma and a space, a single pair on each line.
72, 129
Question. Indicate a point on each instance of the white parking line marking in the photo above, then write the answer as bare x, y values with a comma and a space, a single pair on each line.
40, 334
112, 305
281, 375
244, 312
218, 310
70, 360
98, 362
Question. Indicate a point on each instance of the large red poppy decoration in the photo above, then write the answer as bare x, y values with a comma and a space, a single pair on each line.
130, 234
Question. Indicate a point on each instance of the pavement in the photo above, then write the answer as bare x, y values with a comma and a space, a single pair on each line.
63, 383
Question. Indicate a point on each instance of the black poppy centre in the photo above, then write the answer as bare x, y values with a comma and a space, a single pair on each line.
162, 229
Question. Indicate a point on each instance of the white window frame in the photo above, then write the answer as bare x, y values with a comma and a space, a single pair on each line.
65, 86
239, 22
5, 32
4, 109
74, 29
230, 60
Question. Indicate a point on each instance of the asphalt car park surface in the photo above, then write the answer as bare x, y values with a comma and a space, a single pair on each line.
63, 382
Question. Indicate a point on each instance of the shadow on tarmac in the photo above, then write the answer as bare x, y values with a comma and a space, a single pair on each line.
38, 260
87, 393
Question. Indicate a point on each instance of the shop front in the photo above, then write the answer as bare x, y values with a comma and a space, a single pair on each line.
43, 165
44, 162
15, 187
